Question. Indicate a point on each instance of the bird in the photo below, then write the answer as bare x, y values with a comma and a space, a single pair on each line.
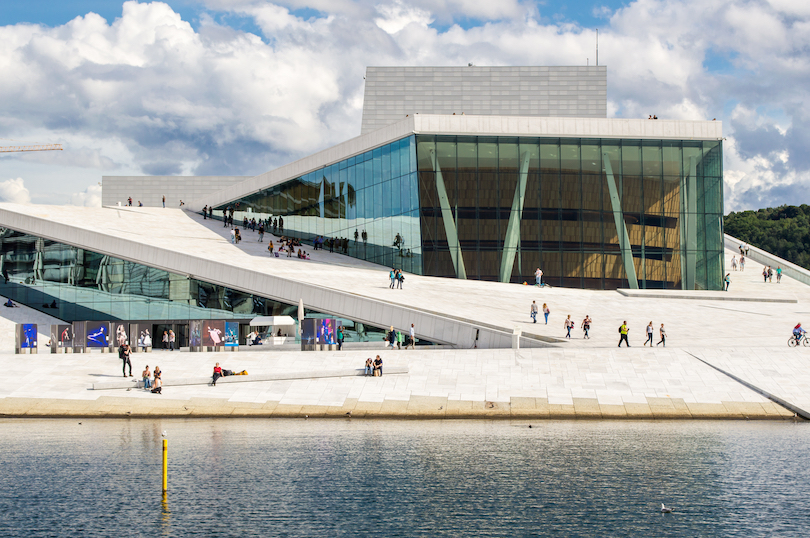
164, 433
665, 510
349, 414
530, 425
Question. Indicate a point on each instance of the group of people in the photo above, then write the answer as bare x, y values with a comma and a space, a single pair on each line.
149, 382
767, 274
741, 263
533, 311
288, 245
396, 339
396, 277
168, 340
650, 331
332, 243
373, 368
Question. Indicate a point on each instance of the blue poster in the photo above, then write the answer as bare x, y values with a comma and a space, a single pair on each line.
231, 333
98, 334
29, 335
326, 331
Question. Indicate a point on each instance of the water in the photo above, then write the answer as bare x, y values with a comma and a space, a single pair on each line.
403, 478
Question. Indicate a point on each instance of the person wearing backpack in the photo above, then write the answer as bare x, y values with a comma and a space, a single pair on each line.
623, 334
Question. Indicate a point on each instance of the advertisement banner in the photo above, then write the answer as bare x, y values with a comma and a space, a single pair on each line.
27, 336
62, 336
309, 328
231, 333
327, 333
97, 334
195, 333
213, 333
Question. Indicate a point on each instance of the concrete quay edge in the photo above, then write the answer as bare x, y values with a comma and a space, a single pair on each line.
417, 407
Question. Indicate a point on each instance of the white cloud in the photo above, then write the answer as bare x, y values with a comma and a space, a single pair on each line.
90, 197
14, 191
148, 93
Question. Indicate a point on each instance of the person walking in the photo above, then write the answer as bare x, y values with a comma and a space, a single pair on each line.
400, 279
171, 340
770, 275
165, 340
778, 275
734, 263
400, 339
569, 324
727, 280
205, 213
623, 330
742, 263
124, 354
586, 326
392, 275
411, 338
233, 236
261, 233
533, 312
650, 331
340, 337
663, 335
546, 312
164, 201
765, 275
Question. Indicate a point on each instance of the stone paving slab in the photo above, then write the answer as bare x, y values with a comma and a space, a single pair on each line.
636, 383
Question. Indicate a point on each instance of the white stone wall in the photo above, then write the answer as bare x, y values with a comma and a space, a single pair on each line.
151, 189
393, 92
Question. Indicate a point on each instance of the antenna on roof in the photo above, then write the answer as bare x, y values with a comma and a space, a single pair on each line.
597, 46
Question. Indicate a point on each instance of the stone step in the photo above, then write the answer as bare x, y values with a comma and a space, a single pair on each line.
138, 383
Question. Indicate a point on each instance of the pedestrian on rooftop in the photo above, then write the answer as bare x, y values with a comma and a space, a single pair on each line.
533, 312
623, 330
650, 331
546, 312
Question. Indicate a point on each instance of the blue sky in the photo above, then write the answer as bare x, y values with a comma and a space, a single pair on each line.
242, 86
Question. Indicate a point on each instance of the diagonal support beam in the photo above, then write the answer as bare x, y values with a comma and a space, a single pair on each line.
689, 253
512, 238
621, 227
447, 218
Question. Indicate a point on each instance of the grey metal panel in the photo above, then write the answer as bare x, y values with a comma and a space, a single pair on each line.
506, 91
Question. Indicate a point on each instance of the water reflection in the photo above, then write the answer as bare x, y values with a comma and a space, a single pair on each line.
403, 478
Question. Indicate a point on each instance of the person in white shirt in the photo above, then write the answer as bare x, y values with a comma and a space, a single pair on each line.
538, 277
412, 341
650, 331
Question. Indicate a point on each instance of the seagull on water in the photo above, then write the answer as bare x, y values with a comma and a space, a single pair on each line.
665, 510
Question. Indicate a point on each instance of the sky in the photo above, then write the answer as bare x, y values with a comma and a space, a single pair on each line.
239, 87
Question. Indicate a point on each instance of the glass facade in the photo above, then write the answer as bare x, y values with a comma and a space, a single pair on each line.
370, 200
87, 286
592, 213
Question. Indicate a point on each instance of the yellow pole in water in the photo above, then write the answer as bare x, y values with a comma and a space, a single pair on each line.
165, 465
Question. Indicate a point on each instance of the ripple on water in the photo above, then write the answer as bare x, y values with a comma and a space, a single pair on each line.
402, 478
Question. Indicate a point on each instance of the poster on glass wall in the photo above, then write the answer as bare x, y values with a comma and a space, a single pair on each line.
121, 337
309, 329
97, 334
213, 333
62, 335
27, 335
326, 331
231, 333
195, 333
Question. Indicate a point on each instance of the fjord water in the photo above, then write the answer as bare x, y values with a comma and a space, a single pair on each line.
256, 477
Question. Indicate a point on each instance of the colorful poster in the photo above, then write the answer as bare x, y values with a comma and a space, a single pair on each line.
121, 337
231, 333
326, 331
195, 333
28, 335
97, 334
213, 333
309, 328
62, 335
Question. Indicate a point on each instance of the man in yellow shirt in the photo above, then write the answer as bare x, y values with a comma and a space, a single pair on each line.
623, 332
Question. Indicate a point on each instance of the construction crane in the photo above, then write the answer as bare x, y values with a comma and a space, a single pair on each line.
41, 147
